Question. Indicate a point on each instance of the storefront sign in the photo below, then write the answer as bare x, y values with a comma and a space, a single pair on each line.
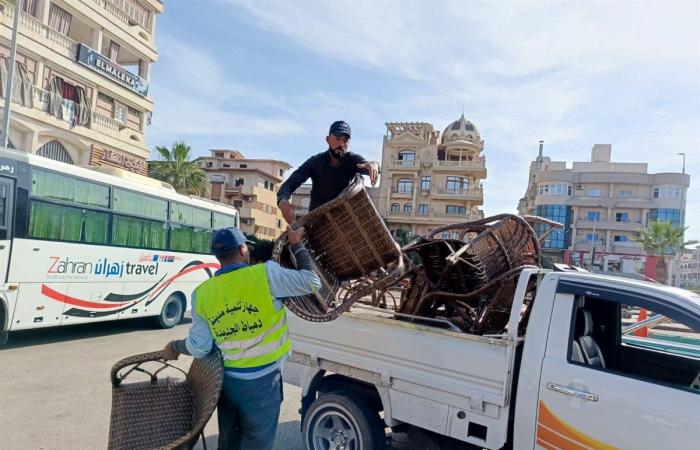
124, 161
111, 70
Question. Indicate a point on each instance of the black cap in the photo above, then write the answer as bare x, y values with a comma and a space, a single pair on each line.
339, 127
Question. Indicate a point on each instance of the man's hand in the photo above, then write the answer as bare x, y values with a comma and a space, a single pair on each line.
294, 236
169, 352
373, 169
287, 210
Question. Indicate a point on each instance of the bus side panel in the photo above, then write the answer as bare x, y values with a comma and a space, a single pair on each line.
34, 309
97, 305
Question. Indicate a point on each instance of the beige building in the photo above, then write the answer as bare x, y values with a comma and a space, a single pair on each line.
81, 81
301, 198
429, 180
601, 204
251, 186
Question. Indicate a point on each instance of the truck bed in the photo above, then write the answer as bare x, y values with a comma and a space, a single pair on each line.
434, 378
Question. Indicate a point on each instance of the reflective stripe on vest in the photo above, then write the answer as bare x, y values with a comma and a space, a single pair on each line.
242, 318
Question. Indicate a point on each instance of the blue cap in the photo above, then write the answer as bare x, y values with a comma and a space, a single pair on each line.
339, 127
227, 239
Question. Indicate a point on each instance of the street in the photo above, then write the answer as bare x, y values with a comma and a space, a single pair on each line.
55, 391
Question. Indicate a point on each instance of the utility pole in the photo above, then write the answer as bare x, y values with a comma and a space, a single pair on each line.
10, 79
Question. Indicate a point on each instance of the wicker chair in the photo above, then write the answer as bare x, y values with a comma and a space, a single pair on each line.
165, 413
348, 241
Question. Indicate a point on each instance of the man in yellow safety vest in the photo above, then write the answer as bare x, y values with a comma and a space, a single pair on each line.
240, 310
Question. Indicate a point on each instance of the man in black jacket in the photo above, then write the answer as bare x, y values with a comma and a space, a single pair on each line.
330, 172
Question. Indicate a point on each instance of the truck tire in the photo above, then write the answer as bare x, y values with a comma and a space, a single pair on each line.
172, 312
341, 420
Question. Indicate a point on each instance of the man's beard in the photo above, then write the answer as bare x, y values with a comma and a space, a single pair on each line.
338, 152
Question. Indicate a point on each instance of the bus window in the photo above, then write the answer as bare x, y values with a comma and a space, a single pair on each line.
140, 205
133, 232
55, 222
3, 206
96, 229
61, 187
224, 221
192, 231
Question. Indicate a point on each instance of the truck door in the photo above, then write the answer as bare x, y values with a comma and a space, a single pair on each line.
604, 388
6, 203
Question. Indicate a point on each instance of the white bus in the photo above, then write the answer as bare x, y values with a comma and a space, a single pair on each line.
78, 245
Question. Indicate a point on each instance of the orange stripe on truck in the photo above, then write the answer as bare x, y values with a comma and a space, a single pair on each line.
552, 432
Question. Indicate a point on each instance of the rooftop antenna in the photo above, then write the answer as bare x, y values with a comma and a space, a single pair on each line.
539, 157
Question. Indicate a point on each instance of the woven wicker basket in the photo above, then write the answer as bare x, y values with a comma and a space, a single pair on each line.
348, 240
163, 413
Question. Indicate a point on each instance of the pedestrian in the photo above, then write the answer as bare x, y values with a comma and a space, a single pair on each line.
240, 311
330, 172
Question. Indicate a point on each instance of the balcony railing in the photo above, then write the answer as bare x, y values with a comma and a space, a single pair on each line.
106, 122
405, 163
478, 164
460, 193
31, 26
121, 15
402, 191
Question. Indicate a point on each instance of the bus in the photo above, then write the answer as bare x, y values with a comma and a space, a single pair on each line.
78, 245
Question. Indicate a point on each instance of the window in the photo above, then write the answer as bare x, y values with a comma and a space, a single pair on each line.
54, 186
141, 205
407, 158
395, 207
29, 7
305, 202
592, 237
121, 113
625, 194
134, 232
209, 164
239, 182
226, 165
267, 185
59, 19
279, 223
281, 173
423, 209
220, 220
425, 183
667, 192
67, 223
605, 336
407, 208
620, 238
455, 210
554, 189
190, 228
445, 234
243, 166
272, 187
560, 238
404, 186
594, 193
593, 216
666, 215
456, 183
622, 217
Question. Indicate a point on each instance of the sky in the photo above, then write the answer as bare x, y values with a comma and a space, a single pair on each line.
268, 77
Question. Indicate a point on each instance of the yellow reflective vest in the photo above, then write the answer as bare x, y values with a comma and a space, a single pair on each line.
242, 318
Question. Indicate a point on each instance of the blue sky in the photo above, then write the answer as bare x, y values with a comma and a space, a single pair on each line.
268, 77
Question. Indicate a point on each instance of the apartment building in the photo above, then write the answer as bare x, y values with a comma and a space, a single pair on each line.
430, 179
301, 198
81, 79
684, 270
251, 186
602, 204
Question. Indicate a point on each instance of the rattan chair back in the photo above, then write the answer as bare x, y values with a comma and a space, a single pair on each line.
165, 412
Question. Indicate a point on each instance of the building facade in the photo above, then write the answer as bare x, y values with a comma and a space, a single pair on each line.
81, 79
684, 270
429, 180
251, 186
602, 204
301, 198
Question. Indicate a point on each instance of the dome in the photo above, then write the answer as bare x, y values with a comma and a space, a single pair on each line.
460, 130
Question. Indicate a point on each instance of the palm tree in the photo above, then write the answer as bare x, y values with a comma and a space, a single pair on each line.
177, 169
661, 239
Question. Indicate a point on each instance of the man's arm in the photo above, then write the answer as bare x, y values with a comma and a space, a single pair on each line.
370, 168
296, 179
290, 282
198, 342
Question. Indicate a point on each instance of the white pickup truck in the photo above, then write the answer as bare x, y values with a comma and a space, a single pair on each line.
584, 375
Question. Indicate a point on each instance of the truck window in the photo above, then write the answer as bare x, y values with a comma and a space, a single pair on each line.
611, 336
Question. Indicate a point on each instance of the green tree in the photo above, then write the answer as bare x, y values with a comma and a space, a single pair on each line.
662, 239
176, 168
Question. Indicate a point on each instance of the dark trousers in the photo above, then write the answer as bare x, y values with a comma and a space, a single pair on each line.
249, 411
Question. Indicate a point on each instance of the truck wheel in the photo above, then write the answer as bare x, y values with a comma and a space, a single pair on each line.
337, 421
172, 312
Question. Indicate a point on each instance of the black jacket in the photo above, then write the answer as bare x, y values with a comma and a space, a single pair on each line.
327, 181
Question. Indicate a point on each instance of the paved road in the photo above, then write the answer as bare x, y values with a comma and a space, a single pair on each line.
55, 390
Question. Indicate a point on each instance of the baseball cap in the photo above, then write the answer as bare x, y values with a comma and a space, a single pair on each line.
226, 239
339, 127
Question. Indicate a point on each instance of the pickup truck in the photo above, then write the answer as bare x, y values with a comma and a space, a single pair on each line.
579, 375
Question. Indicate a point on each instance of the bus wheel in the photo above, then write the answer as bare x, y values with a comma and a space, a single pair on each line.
172, 312
339, 420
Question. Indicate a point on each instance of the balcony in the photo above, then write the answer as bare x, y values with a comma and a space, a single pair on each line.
145, 22
459, 194
404, 164
33, 28
401, 192
628, 247
460, 166
609, 225
231, 189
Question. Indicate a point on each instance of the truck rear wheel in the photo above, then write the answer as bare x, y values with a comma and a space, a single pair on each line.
338, 420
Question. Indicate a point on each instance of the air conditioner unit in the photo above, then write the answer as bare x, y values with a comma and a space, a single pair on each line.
580, 187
